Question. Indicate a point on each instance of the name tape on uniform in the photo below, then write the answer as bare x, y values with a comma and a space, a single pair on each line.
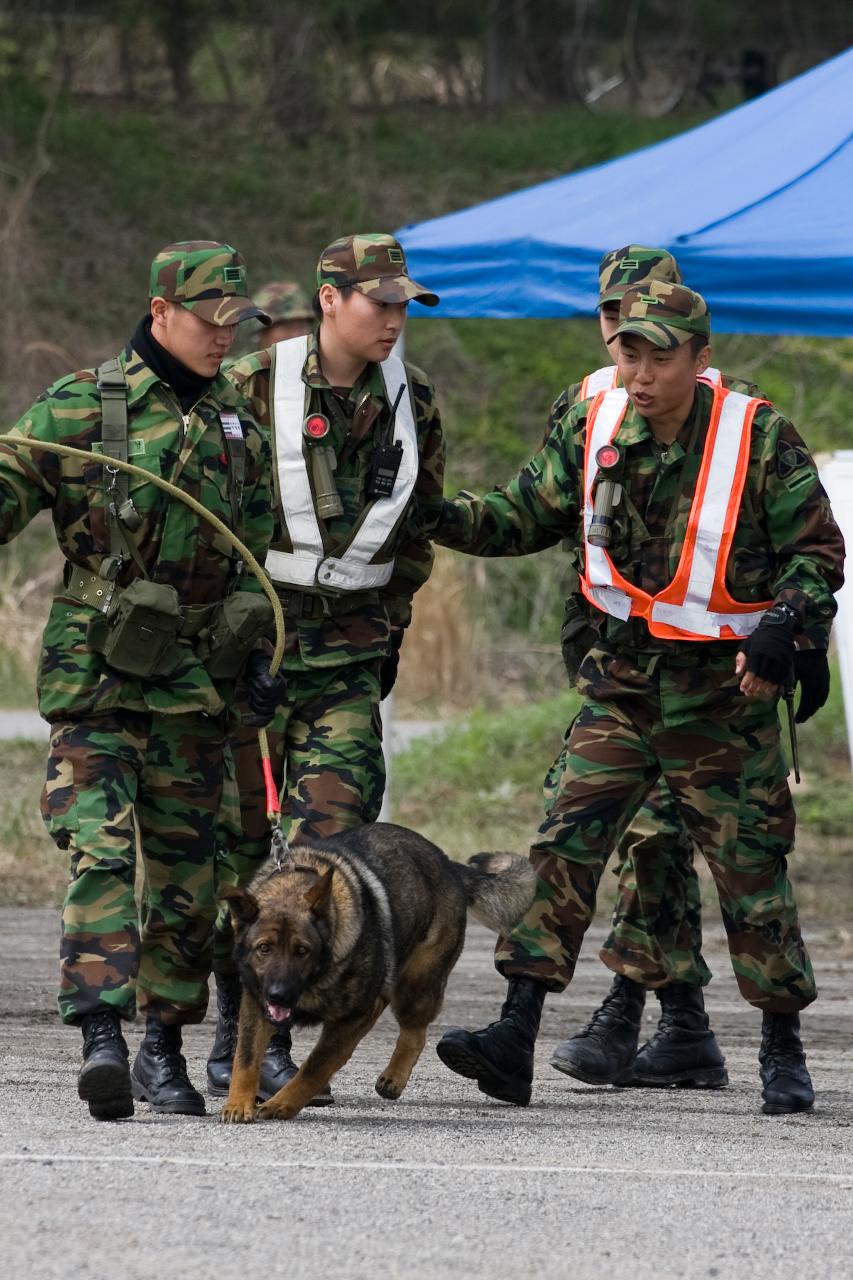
231, 425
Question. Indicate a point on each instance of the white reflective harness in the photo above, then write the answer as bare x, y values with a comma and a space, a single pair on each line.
696, 605
307, 564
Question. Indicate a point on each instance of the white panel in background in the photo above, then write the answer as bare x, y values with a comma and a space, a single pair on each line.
837, 478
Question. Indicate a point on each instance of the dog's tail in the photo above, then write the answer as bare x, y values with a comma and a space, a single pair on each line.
499, 887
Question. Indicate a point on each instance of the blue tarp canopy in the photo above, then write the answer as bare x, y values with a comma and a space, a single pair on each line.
757, 206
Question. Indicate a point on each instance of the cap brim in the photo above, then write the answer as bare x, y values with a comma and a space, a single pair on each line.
227, 311
396, 289
615, 294
655, 331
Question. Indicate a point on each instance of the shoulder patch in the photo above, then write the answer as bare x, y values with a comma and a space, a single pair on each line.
792, 463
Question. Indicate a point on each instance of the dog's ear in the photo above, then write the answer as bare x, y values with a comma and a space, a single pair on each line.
242, 906
319, 894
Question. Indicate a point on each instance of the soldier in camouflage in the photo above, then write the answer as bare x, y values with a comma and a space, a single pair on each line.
664, 699
289, 311
346, 564
656, 936
139, 728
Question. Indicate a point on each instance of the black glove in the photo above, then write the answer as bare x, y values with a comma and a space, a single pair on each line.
264, 692
388, 670
811, 672
770, 649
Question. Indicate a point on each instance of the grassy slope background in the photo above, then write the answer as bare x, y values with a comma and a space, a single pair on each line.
121, 183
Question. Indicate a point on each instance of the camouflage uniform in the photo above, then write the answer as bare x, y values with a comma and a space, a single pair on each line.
656, 933
326, 743
670, 708
139, 758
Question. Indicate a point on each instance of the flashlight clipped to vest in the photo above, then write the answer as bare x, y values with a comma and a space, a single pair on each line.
608, 494
322, 461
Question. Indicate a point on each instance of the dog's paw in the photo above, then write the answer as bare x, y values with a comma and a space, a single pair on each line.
238, 1113
388, 1087
273, 1110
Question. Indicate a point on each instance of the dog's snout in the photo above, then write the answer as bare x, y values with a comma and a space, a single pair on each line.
278, 993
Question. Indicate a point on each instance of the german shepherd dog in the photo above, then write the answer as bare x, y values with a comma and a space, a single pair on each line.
343, 928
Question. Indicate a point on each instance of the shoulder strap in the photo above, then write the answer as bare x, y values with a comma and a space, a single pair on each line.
113, 391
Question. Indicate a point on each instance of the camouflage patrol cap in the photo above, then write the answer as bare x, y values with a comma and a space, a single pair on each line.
375, 265
283, 300
623, 269
205, 277
667, 314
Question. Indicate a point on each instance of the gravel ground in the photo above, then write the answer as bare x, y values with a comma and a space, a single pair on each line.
585, 1183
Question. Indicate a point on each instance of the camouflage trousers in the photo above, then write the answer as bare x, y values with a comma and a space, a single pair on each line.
728, 779
656, 929
115, 781
327, 762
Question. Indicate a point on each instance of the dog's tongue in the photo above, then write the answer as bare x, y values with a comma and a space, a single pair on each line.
278, 1012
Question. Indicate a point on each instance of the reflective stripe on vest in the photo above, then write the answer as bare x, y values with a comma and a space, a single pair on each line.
696, 605
713, 377
601, 380
307, 564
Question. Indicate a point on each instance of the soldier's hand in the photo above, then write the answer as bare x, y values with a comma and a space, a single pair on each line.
811, 672
264, 692
765, 658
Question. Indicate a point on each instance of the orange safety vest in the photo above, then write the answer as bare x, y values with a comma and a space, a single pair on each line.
696, 605
607, 378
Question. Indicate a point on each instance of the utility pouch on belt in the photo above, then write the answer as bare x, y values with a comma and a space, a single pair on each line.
238, 623
577, 635
139, 633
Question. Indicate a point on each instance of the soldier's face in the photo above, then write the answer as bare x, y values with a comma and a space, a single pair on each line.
197, 343
608, 318
367, 330
659, 382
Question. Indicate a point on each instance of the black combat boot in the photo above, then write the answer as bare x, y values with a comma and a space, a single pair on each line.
228, 996
607, 1046
159, 1075
683, 1050
500, 1058
787, 1085
278, 1067
104, 1079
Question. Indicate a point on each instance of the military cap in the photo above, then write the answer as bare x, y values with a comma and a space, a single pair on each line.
205, 277
623, 269
375, 265
283, 300
667, 314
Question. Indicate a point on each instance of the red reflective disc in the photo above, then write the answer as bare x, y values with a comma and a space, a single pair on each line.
316, 426
607, 456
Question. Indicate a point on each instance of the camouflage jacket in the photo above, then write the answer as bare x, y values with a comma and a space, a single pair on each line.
787, 545
357, 422
176, 545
